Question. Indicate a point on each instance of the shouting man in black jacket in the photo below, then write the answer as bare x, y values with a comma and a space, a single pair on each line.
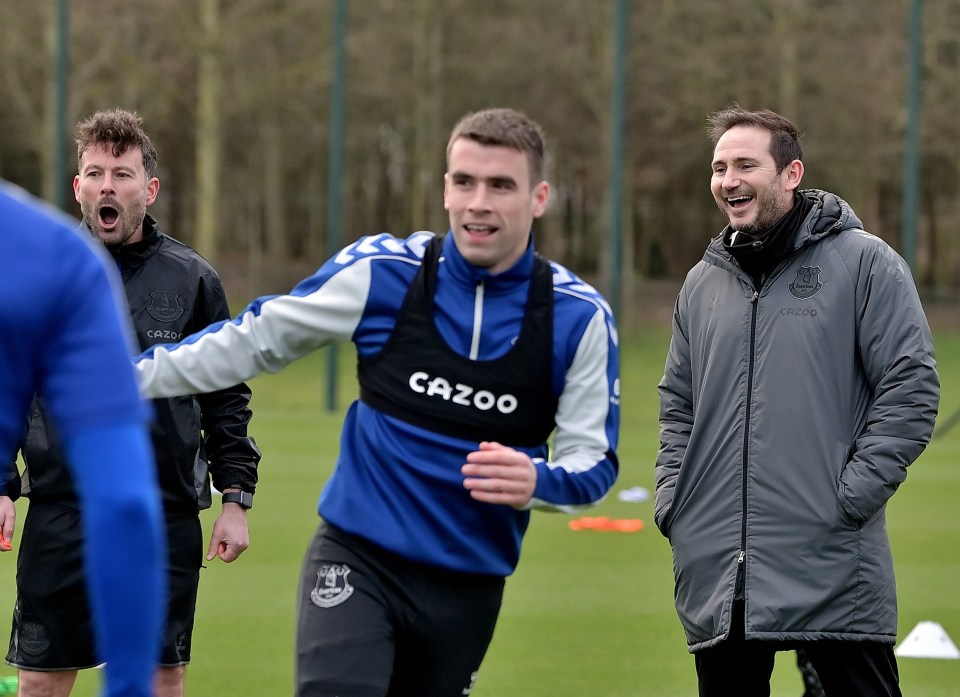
172, 292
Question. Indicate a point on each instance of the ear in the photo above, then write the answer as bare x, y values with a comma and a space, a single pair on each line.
76, 188
792, 174
446, 188
541, 197
153, 188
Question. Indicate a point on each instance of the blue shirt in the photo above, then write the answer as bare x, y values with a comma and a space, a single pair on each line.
64, 336
397, 484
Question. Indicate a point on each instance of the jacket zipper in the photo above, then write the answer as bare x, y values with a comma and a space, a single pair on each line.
740, 590
477, 322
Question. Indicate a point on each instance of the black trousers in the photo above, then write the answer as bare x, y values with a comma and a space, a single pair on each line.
52, 622
372, 624
845, 668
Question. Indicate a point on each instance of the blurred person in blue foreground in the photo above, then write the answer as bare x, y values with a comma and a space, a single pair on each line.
171, 292
64, 335
799, 385
472, 350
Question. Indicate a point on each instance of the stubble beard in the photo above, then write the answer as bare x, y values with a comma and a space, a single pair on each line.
128, 222
769, 214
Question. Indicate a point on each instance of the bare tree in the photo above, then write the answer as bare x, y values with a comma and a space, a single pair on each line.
238, 105
209, 131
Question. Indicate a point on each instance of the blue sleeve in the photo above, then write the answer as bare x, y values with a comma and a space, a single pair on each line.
583, 465
125, 550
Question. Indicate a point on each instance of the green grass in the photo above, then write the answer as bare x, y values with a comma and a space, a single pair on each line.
587, 613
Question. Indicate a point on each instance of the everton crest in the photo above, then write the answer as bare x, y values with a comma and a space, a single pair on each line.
332, 585
32, 638
807, 283
165, 306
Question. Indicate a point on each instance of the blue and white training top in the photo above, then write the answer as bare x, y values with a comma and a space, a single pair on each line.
396, 484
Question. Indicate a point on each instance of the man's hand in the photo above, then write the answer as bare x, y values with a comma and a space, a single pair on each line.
8, 518
230, 534
498, 474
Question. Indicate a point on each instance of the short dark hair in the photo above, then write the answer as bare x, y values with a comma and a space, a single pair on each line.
506, 127
119, 129
784, 137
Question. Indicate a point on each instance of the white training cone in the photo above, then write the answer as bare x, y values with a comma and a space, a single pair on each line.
927, 640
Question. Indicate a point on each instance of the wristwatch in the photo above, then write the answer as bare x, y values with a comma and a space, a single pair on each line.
244, 498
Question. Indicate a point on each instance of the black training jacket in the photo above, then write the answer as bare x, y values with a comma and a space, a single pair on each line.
172, 292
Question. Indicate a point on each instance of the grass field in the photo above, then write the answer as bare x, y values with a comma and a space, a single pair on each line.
587, 614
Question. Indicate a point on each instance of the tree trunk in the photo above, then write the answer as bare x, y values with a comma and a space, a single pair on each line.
427, 85
209, 143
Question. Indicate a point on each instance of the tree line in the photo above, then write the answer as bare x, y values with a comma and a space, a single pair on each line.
236, 95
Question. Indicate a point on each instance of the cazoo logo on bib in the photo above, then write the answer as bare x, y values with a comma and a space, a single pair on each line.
461, 394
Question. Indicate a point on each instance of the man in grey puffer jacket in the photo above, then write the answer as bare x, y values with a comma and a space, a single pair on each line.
799, 386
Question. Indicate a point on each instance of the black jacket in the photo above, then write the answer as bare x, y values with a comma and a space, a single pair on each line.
172, 292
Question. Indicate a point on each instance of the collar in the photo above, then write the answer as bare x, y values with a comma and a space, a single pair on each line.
136, 253
460, 270
758, 255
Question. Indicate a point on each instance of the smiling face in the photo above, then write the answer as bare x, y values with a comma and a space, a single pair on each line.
745, 182
114, 192
492, 202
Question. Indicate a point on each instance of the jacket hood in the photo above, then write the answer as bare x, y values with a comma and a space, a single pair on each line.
830, 215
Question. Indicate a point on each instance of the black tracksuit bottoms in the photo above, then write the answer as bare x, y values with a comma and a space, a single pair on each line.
846, 668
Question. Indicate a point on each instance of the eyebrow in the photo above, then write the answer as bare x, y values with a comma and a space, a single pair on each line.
501, 179
493, 179
118, 168
735, 160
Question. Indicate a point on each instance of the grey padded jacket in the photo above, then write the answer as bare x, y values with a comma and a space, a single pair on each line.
788, 418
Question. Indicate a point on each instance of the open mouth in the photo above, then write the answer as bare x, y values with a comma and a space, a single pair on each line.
480, 229
108, 216
739, 201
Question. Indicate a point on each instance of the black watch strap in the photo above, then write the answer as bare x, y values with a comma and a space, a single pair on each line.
244, 498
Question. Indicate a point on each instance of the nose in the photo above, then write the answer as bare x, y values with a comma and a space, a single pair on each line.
106, 185
479, 200
730, 179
